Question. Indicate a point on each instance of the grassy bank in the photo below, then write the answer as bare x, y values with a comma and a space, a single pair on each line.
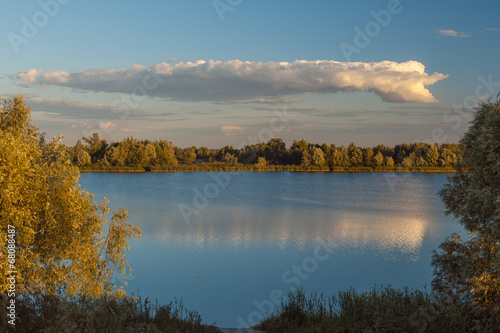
380, 310
126, 314
268, 168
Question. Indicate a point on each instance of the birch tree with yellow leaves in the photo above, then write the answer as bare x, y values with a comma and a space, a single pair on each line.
64, 246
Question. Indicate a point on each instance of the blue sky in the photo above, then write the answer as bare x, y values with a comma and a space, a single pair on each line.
211, 73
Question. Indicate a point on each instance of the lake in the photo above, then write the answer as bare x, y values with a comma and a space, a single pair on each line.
230, 244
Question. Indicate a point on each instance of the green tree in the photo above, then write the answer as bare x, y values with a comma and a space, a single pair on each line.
277, 150
471, 268
368, 156
297, 150
96, 147
400, 152
80, 155
420, 161
116, 155
341, 157
313, 156
82, 158
202, 152
189, 155
432, 155
230, 159
327, 151
249, 155
261, 162
150, 151
355, 154
165, 153
388, 161
62, 247
447, 157
137, 154
317, 156
378, 159
407, 162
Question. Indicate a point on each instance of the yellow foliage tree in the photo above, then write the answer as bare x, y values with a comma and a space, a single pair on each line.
63, 243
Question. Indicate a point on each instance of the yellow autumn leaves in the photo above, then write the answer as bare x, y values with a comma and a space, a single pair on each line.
64, 244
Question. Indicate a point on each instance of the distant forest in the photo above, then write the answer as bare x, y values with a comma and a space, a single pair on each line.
130, 154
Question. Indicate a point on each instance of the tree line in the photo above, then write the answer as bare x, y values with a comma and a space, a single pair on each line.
91, 152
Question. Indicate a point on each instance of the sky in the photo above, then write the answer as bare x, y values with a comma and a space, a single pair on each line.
236, 72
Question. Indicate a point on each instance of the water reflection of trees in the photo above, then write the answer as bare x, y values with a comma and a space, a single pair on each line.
242, 226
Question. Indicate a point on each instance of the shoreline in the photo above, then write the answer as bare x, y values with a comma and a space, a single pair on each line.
271, 169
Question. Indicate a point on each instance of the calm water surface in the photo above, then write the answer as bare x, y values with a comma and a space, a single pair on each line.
227, 243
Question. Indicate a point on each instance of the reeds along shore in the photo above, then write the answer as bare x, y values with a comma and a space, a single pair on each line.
112, 313
267, 168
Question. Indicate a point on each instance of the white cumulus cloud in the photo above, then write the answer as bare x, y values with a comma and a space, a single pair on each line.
237, 80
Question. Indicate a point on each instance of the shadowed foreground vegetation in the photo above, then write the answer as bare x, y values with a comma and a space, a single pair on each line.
41, 313
379, 310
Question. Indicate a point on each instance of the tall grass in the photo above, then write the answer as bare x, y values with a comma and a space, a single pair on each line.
379, 310
36, 313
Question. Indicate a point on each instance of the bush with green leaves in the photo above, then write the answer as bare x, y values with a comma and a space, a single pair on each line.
470, 268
